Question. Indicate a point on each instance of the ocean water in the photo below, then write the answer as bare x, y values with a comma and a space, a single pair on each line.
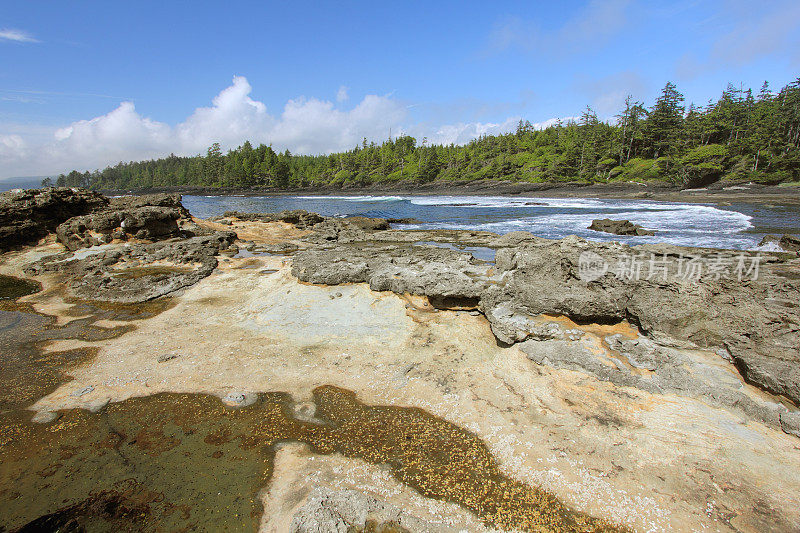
739, 226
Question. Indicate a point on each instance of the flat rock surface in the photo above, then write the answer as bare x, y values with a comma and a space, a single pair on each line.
604, 446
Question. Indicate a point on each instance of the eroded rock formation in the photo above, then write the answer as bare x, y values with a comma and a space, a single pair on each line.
742, 305
140, 272
28, 215
790, 243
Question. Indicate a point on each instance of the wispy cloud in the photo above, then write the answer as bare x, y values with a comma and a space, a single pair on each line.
20, 99
67, 95
759, 33
743, 35
18, 36
591, 27
607, 94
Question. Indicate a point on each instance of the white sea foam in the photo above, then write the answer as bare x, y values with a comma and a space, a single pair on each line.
682, 224
506, 202
770, 247
676, 223
354, 198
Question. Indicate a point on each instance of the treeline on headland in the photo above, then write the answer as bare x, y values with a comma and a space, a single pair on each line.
741, 136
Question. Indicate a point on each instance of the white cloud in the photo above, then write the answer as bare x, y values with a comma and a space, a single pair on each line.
304, 126
341, 94
233, 118
19, 36
12, 146
462, 133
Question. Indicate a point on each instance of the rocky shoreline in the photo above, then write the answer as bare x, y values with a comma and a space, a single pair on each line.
652, 387
722, 193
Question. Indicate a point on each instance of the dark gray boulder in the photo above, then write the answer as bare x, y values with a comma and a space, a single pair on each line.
619, 227
301, 218
769, 239
790, 243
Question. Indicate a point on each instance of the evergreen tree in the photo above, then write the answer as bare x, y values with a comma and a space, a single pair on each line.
664, 125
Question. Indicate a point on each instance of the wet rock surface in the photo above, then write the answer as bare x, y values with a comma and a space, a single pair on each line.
619, 227
12, 288
136, 463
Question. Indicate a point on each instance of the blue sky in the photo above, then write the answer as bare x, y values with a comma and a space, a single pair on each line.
85, 84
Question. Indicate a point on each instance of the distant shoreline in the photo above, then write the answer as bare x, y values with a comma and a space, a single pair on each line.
716, 194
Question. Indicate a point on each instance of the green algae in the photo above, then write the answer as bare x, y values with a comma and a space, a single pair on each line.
186, 461
12, 288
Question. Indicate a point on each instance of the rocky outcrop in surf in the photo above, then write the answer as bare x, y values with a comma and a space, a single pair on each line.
790, 243
619, 227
